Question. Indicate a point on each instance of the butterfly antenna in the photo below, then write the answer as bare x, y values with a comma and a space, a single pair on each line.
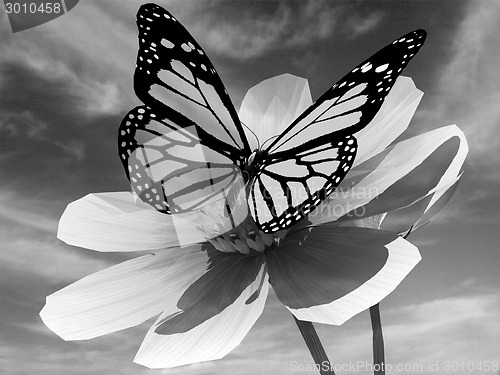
270, 139
251, 131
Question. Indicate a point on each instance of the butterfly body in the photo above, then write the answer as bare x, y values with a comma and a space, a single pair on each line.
187, 144
253, 164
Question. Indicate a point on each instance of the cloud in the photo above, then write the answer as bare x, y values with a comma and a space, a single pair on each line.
37, 350
362, 24
454, 328
46, 257
79, 52
250, 32
463, 328
49, 147
11, 123
467, 283
25, 124
30, 246
23, 211
468, 83
422, 242
466, 92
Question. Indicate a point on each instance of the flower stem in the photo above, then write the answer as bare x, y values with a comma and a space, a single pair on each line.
315, 348
378, 341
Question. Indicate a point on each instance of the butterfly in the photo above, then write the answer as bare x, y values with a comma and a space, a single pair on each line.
186, 144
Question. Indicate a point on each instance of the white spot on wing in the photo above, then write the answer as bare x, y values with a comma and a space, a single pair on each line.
381, 68
167, 43
365, 68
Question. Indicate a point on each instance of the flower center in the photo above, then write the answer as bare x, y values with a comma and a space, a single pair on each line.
246, 238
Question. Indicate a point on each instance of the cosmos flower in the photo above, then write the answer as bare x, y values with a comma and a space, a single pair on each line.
326, 269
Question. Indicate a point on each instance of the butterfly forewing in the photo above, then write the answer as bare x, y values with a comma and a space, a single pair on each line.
352, 102
311, 157
174, 76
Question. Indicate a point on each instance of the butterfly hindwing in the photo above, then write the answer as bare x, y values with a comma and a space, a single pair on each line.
311, 157
168, 166
288, 189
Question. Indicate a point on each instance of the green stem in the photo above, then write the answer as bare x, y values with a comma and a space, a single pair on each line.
378, 341
315, 348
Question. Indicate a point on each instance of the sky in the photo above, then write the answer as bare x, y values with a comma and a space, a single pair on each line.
66, 85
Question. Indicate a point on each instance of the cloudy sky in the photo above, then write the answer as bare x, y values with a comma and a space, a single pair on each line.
66, 85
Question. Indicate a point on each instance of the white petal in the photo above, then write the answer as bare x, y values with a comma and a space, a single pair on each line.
119, 222
212, 339
398, 176
455, 168
402, 258
390, 121
124, 295
269, 107
439, 199
419, 213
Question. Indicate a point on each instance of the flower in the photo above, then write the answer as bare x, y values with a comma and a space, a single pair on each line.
326, 269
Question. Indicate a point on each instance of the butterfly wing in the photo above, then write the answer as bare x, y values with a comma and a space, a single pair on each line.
309, 159
186, 142
169, 167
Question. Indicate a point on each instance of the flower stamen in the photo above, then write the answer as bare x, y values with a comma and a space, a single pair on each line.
247, 239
